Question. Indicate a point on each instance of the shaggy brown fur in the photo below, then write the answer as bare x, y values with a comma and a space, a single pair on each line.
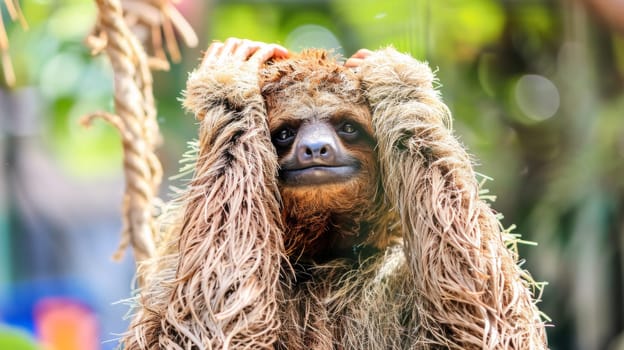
435, 271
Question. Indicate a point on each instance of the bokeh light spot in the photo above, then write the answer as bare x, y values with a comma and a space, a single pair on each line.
537, 97
312, 35
60, 75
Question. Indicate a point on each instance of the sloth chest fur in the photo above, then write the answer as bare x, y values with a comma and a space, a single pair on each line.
346, 307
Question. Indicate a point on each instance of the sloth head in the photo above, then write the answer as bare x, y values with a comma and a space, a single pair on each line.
321, 128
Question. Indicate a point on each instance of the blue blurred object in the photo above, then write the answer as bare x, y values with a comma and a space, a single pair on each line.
18, 301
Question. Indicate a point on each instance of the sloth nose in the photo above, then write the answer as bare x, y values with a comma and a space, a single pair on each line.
317, 145
318, 150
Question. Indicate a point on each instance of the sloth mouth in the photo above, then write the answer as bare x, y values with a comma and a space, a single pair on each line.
317, 175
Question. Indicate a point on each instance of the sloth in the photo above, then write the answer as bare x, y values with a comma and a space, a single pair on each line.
331, 207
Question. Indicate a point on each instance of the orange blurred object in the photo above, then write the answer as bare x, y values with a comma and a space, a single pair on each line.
66, 324
609, 11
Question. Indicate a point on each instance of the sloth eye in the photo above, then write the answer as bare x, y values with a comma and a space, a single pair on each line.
349, 132
284, 136
348, 128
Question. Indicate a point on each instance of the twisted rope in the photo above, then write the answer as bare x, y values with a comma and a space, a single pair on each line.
135, 120
135, 117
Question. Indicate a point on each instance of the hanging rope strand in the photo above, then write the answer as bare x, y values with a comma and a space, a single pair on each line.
136, 121
135, 117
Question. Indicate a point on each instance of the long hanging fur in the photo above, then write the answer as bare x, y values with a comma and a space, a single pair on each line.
219, 288
473, 295
224, 281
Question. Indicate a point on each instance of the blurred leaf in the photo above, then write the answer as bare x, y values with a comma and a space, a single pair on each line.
72, 21
463, 28
402, 23
84, 152
36, 12
535, 18
246, 21
618, 50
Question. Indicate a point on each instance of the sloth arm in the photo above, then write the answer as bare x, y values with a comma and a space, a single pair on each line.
473, 295
230, 241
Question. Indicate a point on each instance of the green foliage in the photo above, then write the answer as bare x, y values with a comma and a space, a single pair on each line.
402, 23
51, 56
463, 28
16, 340
246, 21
